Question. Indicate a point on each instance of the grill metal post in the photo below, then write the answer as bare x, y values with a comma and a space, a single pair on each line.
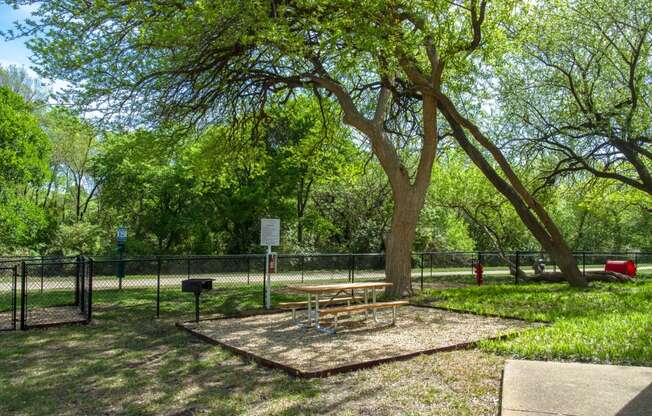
197, 307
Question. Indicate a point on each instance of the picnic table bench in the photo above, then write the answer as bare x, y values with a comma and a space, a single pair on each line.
333, 293
322, 302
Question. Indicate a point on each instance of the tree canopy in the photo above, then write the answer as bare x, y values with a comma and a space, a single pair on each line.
213, 114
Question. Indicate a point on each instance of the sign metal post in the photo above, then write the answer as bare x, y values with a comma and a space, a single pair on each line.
121, 238
270, 232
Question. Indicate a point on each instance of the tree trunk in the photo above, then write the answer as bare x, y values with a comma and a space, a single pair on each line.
558, 277
409, 194
398, 243
543, 230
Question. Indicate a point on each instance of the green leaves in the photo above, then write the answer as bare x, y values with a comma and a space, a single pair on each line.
24, 152
23, 146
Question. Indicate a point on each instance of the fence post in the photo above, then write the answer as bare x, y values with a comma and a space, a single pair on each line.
13, 299
91, 269
421, 272
584, 263
302, 265
82, 284
248, 268
158, 286
352, 268
518, 265
42, 273
430, 265
23, 295
188, 267
77, 288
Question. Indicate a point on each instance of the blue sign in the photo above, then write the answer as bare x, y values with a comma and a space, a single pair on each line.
122, 234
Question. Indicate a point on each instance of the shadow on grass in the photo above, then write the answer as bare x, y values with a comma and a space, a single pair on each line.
128, 366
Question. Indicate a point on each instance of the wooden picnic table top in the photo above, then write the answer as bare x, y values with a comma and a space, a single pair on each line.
337, 287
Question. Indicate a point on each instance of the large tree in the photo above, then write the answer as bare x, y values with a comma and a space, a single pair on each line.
390, 65
74, 143
24, 152
581, 88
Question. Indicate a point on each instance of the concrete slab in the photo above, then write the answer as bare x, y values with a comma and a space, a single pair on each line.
572, 389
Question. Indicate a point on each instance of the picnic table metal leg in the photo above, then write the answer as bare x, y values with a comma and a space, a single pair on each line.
373, 302
317, 325
317, 310
366, 302
309, 310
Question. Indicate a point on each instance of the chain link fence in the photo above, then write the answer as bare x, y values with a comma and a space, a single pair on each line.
8, 296
55, 292
47, 291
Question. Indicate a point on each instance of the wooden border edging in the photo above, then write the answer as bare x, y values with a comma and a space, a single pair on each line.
295, 372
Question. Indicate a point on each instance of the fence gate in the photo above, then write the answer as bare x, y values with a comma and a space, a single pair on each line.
55, 292
8, 297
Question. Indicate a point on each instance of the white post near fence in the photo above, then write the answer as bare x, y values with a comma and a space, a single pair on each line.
270, 233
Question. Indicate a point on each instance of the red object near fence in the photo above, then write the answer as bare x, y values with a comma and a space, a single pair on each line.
478, 273
272, 262
627, 267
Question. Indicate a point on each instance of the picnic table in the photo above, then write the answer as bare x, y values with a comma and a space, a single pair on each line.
320, 297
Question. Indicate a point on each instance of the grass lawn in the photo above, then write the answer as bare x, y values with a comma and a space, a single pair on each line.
607, 323
128, 363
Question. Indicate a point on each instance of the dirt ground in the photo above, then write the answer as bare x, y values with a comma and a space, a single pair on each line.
276, 337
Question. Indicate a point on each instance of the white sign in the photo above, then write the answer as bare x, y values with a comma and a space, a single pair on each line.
122, 234
270, 232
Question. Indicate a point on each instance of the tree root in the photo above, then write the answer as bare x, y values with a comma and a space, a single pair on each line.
558, 277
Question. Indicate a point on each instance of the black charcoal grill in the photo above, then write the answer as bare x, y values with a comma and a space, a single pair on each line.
196, 286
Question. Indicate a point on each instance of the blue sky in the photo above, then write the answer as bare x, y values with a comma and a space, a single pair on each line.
14, 52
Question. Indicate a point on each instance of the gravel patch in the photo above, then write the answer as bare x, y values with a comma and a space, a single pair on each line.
277, 338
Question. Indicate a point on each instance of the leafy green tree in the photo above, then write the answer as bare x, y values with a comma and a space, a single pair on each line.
492, 221
188, 68
74, 143
20, 82
23, 145
391, 66
24, 152
145, 189
354, 209
580, 88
